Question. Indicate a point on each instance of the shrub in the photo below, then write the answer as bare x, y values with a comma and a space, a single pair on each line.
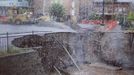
57, 11
130, 16
94, 17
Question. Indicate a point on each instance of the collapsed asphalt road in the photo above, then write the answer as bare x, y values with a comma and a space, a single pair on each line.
4, 28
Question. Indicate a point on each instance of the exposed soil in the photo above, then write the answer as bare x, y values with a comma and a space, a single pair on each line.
96, 70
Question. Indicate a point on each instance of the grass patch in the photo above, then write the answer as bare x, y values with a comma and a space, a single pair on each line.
130, 30
5, 53
12, 50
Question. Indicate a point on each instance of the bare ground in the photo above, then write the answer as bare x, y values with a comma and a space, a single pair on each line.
89, 69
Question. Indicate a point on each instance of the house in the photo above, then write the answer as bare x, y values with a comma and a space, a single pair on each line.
112, 8
37, 6
79, 8
85, 8
7, 5
42, 6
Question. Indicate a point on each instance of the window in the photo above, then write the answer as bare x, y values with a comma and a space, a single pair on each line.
19, 0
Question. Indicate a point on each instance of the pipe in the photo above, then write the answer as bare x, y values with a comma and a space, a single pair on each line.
103, 11
57, 70
69, 55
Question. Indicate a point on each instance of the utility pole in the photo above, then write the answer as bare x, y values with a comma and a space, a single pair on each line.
103, 11
73, 13
44, 6
73, 8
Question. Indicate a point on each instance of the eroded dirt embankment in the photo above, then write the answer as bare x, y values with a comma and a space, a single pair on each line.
110, 48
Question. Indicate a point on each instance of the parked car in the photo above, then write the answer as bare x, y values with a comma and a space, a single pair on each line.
43, 18
24, 18
3, 19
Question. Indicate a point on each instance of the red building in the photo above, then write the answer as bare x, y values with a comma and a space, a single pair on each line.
112, 8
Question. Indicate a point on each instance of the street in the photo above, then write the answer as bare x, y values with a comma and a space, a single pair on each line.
4, 28
21, 29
